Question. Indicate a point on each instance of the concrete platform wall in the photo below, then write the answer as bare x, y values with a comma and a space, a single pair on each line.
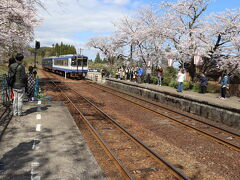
228, 116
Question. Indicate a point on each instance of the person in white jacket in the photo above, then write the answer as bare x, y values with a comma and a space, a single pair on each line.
180, 79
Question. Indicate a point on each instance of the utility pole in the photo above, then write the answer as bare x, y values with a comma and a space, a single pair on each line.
81, 59
81, 51
37, 46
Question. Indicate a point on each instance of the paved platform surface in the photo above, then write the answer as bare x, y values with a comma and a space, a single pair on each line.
209, 98
46, 144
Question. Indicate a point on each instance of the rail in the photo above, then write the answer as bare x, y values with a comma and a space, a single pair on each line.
219, 140
177, 173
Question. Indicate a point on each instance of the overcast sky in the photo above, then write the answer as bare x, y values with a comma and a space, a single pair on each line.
76, 21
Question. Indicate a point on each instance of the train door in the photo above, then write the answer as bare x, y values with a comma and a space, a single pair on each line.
69, 63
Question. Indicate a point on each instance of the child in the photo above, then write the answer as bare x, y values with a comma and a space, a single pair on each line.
30, 84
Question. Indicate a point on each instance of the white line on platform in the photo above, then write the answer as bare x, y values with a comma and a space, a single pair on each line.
38, 127
38, 116
39, 102
35, 164
36, 178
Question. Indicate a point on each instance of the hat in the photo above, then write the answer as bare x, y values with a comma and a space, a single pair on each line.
19, 57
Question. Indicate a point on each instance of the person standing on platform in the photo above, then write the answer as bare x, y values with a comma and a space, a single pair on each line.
224, 86
116, 73
159, 75
139, 74
17, 72
180, 79
135, 71
203, 83
120, 73
30, 83
10, 62
148, 72
131, 73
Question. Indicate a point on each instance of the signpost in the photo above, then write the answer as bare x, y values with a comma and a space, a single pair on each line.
37, 46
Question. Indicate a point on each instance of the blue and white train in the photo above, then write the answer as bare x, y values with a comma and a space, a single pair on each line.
73, 66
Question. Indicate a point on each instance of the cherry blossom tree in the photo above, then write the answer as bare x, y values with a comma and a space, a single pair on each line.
17, 20
220, 38
180, 30
143, 34
107, 46
182, 20
215, 37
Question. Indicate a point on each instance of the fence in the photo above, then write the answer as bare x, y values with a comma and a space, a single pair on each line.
4, 90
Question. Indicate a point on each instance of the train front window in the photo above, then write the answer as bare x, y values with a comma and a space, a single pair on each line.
74, 62
79, 62
85, 62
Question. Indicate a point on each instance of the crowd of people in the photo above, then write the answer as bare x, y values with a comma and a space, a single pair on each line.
136, 74
21, 84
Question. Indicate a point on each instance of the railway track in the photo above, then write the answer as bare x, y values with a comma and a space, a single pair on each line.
213, 129
133, 158
223, 136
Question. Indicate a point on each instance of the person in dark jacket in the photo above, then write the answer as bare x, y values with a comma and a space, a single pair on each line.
10, 62
17, 71
203, 83
224, 85
148, 73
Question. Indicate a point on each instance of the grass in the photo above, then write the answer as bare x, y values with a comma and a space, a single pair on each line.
3, 68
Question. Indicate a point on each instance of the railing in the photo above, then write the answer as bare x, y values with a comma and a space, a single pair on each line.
4, 90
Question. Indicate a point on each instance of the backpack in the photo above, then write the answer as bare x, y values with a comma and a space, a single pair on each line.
12, 78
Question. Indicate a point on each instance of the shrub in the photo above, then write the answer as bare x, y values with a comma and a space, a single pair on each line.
187, 85
154, 79
173, 83
169, 74
196, 87
213, 88
144, 79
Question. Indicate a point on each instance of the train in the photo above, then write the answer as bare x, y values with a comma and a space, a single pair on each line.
71, 66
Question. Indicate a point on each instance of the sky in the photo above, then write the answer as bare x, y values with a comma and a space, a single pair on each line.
76, 21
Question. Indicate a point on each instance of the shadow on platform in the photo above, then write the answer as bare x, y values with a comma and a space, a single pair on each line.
35, 109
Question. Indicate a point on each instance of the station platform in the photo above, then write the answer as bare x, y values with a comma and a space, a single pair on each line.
45, 143
206, 105
210, 98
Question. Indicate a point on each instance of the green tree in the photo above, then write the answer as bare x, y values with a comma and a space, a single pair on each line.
98, 59
62, 49
42, 52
